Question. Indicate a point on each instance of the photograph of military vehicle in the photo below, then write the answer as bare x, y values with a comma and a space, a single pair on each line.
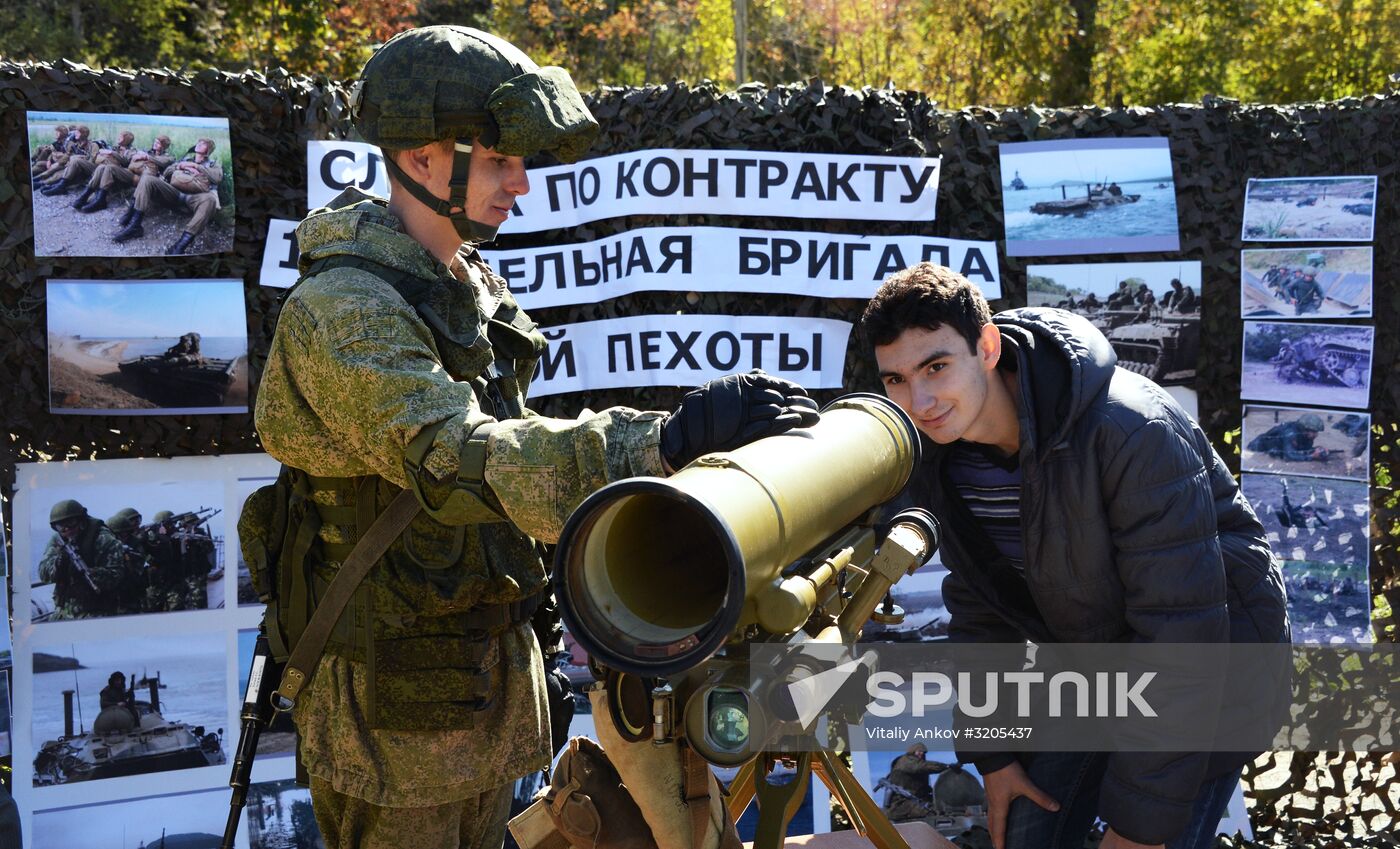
1318, 528
1306, 283
1149, 311
1300, 441
103, 549
130, 706
176, 821
150, 347
1304, 362
1089, 196
1309, 209
931, 787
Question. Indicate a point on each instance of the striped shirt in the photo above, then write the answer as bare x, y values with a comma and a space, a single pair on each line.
990, 486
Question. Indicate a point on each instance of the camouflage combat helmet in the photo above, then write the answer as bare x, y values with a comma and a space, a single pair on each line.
163, 516
1311, 421
68, 508
452, 82
125, 519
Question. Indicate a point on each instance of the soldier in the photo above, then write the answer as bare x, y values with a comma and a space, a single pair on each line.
1090, 303
1305, 294
197, 560
84, 562
910, 774
81, 147
385, 376
1145, 301
112, 175
126, 525
82, 170
1292, 441
115, 694
186, 350
166, 585
42, 158
1292, 515
191, 184
1122, 298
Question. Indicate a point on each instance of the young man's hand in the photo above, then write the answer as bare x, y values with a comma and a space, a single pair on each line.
1003, 786
1114, 840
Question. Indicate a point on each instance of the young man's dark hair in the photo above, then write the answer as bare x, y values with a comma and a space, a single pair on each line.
1079, 504
928, 296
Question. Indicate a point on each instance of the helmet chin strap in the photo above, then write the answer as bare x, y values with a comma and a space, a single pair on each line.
455, 207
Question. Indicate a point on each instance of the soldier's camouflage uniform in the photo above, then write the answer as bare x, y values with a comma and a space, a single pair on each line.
109, 175
73, 597
353, 375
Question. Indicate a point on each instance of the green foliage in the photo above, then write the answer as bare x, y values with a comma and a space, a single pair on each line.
1038, 283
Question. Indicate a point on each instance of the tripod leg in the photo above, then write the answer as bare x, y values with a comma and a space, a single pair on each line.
777, 803
865, 815
741, 789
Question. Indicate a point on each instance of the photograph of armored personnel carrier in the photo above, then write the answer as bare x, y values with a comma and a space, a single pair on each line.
1089, 196
177, 821
1318, 528
129, 707
1309, 209
1149, 311
1306, 283
1302, 362
149, 347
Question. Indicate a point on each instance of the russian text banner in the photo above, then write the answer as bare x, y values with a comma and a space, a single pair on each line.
334, 166
722, 259
685, 350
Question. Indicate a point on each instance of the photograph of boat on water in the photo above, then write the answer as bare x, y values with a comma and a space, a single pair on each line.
147, 347
111, 708
1306, 283
1088, 196
179, 821
1309, 209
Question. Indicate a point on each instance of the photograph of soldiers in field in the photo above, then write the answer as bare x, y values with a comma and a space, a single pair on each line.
1305, 283
280, 817
1296, 362
130, 185
1150, 311
1295, 441
117, 707
112, 550
1088, 196
1310, 209
181, 821
149, 347
1318, 527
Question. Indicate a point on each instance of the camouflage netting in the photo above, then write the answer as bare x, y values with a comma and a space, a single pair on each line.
1216, 146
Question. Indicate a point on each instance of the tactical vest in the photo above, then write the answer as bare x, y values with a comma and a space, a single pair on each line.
424, 620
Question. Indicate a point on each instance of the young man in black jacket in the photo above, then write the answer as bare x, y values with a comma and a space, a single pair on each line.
1079, 504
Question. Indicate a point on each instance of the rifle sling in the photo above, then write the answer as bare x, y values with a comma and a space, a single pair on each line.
307, 653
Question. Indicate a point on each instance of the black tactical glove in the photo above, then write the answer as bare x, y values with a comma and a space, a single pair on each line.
561, 706
725, 413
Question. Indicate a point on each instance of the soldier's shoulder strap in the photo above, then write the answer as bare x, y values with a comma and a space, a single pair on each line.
410, 287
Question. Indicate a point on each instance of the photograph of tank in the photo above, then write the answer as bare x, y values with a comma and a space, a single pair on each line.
279, 816
131, 706
130, 185
1299, 441
1305, 283
279, 738
1298, 362
150, 347
1150, 311
1318, 527
1088, 196
116, 550
1309, 209
179, 821
914, 611
913, 784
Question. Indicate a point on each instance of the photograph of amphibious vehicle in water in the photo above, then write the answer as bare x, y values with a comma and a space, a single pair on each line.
130, 736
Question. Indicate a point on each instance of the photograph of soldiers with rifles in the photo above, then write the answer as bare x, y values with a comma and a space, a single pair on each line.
127, 563
130, 185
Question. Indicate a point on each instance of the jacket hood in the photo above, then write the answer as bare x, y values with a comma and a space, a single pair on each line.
359, 224
1063, 363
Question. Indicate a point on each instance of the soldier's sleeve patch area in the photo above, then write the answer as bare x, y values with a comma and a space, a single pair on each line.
540, 469
346, 391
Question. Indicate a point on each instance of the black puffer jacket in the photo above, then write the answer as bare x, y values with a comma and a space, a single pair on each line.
1134, 530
